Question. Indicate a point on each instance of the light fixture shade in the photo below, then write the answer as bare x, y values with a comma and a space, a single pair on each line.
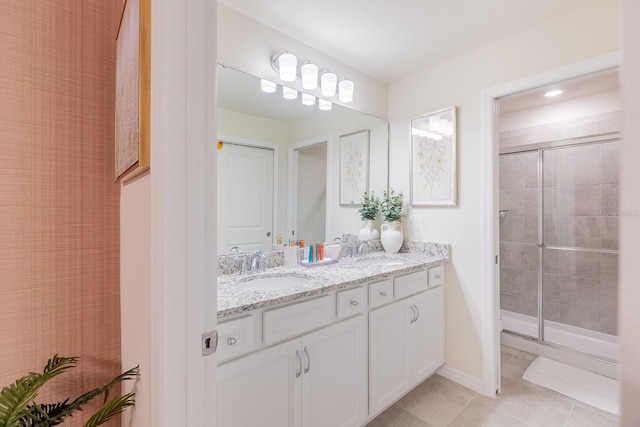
288, 93
324, 105
309, 73
288, 65
308, 99
267, 86
553, 92
328, 82
345, 90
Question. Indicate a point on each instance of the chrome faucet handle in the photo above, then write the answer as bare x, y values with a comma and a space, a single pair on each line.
245, 266
363, 248
257, 262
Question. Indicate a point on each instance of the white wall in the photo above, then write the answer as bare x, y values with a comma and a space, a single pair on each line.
586, 33
345, 219
630, 225
312, 193
248, 45
597, 103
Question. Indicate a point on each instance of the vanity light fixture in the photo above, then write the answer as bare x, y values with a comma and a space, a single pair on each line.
287, 66
553, 92
308, 99
267, 86
345, 90
328, 81
309, 75
324, 105
288, 93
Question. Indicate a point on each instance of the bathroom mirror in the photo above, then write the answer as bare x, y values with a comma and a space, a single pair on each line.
279, 166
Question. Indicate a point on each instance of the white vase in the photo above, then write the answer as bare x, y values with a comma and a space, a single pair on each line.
391, 237
368, 232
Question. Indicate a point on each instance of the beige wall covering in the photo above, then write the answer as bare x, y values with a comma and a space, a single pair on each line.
59, 204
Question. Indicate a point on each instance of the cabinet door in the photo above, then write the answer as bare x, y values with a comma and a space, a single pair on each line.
426, 334
334, 379
389, 375
261, 389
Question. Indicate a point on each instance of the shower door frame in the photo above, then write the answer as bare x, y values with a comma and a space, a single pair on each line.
540, 149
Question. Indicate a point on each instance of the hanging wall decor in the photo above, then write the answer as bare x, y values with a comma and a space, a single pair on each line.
133, 84
354, 166
433, 159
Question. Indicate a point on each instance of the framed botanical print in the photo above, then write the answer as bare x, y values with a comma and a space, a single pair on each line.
354, 166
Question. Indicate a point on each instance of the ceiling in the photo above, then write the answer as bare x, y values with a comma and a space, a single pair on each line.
389, 39
575, 88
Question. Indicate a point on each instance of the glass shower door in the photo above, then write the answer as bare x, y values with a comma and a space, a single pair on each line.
579, 246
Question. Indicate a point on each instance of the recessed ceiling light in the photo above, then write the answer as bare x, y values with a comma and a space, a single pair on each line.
554, 92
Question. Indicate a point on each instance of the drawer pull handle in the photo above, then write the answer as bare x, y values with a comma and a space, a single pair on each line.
438, 276
306, 351
417, 312
300, 362
232, 340
413, 316
383, 293
354, 302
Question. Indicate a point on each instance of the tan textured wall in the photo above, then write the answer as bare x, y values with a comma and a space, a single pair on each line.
59, 205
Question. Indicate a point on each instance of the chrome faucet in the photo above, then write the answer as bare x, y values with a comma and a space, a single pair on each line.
363, 248
257, 262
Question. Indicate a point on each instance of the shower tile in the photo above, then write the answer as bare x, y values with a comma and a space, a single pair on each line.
610, 200
549, 173
512, 229
531, 284
609, 166
551, 261
512, 303
531, 258
580, 264
551, 287
512, 281
579, 169
511, 174
609, 270
552, 230
530, 229
581, 231
610, 287
580, 200
609, 226
531, 307
512, 199
580, 317
512, 255
531, 171
585, 292
551, 201
531, 202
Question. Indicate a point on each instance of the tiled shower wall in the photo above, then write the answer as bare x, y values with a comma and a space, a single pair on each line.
580, 210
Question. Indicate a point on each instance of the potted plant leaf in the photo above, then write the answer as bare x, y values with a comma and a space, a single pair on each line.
391, 235
368, 210
18, 407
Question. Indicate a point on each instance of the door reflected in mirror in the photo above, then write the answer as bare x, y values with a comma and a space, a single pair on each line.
278, 171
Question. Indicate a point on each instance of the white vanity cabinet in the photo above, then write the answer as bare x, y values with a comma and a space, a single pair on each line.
317, 380
406, 340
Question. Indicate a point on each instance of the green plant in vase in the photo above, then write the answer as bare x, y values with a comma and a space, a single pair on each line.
391, 231
18, 407
368, 210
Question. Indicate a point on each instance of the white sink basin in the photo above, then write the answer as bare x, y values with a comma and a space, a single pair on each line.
272, 283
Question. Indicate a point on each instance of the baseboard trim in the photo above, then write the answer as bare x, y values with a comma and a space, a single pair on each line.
461, 378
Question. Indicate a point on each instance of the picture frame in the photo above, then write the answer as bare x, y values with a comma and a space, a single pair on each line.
434, 159
133, 91
354, 167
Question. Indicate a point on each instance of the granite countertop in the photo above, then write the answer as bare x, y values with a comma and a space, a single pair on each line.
348, 272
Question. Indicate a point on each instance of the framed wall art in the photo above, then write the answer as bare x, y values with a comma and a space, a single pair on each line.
354, 166
133, 90
433, 159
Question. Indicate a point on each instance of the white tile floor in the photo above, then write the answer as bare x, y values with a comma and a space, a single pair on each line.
441, 402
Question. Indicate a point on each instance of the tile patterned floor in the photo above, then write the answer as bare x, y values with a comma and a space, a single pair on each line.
440, 402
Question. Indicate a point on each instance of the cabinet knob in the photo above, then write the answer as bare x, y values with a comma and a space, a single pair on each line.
354, 302
383, 293
232, 340
438, 276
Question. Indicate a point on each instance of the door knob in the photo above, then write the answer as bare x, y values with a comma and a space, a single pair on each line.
268, 234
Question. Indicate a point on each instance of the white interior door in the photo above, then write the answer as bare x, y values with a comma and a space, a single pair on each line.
245, 198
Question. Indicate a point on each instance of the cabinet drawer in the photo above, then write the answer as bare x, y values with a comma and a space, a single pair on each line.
436, 276
410, 284
296, 319
351, 302
380, 293
236, 337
